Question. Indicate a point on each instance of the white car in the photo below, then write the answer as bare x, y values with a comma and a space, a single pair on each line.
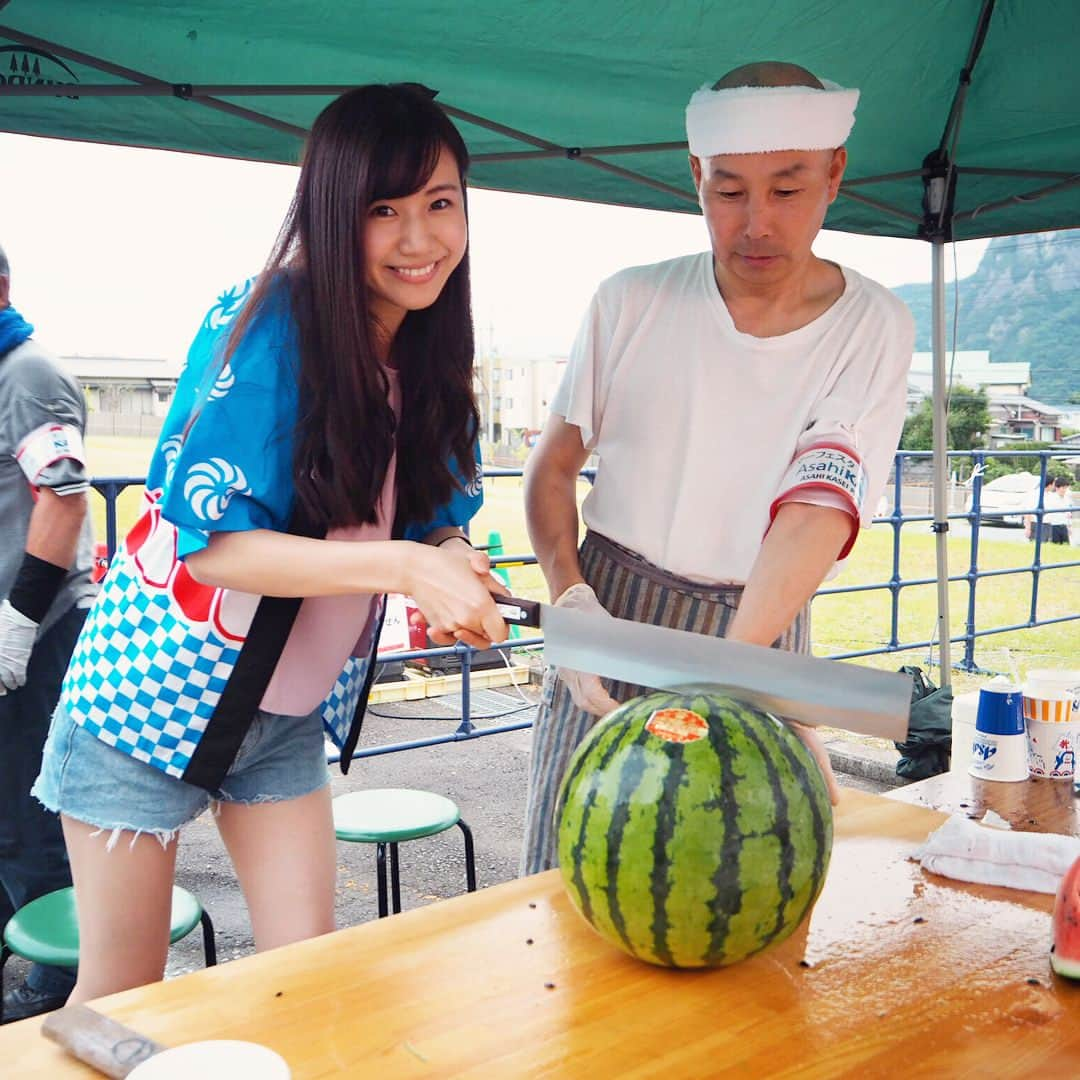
1006, 500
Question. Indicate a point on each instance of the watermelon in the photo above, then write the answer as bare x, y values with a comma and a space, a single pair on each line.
1065, 951
694, 830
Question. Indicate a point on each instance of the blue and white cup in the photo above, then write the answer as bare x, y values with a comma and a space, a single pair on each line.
999, 750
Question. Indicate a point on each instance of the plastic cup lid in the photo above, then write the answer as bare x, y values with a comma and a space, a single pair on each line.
214, 1059
1052, 682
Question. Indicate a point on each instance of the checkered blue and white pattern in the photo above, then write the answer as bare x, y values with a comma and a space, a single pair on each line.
339, 708
153, 660
142, 677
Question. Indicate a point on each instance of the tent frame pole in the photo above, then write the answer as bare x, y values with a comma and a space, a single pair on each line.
939, 207
941, 459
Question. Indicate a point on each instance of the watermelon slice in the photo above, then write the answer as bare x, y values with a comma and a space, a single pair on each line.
1065, 951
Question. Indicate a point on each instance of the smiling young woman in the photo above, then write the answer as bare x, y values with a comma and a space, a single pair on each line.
320, 450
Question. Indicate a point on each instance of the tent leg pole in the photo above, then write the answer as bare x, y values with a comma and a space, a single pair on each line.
941, 462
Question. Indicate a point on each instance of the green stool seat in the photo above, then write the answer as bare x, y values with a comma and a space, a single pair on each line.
46, 931
387, 816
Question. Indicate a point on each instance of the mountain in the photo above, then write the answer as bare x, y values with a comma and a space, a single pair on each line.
1023, 303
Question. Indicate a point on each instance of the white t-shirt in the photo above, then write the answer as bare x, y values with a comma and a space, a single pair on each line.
1059, 508
695, 423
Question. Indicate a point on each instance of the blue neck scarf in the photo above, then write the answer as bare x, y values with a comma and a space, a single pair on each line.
14, 330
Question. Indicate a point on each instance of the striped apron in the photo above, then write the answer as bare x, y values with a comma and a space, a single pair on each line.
629, 588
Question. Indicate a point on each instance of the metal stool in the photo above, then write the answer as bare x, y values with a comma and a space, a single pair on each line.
46, 931
386, 817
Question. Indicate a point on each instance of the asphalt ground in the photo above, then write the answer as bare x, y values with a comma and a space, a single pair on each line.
485, 776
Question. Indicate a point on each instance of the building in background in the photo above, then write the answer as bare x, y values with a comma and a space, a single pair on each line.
971, 368
1016, 418
124, 395
514, 394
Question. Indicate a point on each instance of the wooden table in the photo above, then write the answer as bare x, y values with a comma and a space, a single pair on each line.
1033, 805
899, 973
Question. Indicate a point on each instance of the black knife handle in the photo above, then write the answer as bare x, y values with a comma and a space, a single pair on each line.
518, 611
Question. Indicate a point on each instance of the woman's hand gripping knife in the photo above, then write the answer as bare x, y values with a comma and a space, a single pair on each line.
452, 587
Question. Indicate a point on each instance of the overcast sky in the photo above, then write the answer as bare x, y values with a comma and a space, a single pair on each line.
119, 252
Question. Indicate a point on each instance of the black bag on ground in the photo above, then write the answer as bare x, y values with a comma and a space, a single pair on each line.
926, 750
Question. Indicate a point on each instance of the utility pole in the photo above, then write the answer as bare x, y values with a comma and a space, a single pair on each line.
491, 384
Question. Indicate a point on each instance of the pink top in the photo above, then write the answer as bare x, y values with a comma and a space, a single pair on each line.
330, 629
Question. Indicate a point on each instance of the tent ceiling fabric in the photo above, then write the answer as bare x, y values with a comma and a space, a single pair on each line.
570, 75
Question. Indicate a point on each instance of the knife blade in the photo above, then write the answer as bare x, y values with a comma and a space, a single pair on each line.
804, 688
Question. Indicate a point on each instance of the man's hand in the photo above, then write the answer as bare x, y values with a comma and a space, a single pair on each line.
813, 743
587, 690
17, 634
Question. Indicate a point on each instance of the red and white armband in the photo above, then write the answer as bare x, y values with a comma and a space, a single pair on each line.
826, 474
46, 445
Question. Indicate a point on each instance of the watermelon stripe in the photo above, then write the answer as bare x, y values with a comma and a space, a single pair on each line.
629, 780
623, 733
579, 763
729, 896
814, 786
569, 805
667, 816
787, 851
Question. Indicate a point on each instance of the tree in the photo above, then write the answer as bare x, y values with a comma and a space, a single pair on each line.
1074, 398
1001, 466
969, 420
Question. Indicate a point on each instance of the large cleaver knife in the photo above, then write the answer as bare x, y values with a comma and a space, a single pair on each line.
812, 691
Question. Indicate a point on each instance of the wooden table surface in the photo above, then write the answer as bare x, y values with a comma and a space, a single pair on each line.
898, 973
1032, 805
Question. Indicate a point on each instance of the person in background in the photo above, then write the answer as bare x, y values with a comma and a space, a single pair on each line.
1061, 521
745, 404
321, 451
1032, 527
45, 560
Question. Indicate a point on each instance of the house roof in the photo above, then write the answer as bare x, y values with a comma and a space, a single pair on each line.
1020, 401
89, 368
972, 367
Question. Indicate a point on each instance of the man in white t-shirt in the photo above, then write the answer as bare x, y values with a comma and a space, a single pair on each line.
745, 405
1061, 519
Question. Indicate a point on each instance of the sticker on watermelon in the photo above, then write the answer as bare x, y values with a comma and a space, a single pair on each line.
677, 725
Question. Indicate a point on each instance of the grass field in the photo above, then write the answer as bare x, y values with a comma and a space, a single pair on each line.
844, 623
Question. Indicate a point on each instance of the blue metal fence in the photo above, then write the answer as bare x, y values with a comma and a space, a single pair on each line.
111, 487
972, 575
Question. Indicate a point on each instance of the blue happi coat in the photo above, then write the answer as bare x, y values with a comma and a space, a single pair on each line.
169, 670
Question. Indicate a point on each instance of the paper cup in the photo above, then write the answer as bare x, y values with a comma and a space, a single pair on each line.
1052, 714
215, 1059
1051, 750
1049, 710
1000, 710
1052, 696
964, 708
999, 757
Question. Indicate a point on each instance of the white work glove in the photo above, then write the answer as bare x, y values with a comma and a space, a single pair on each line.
17, 634
587, 690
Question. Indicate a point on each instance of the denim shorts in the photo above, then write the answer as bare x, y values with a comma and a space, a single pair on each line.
281, 757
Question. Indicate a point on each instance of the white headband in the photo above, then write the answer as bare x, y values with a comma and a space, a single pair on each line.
759, 119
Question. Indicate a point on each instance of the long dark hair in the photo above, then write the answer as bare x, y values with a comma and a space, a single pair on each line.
374, 142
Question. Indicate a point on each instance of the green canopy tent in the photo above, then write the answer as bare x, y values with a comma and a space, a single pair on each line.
967, 126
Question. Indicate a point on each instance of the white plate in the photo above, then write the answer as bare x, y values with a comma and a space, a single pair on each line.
214, 1059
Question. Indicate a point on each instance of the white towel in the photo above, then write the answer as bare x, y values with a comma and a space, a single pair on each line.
967, 851
757, 119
